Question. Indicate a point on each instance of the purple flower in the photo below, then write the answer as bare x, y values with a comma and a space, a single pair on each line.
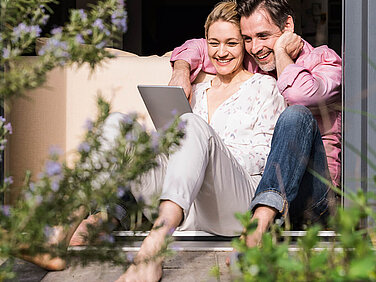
89, 124
128, 119
32, 187
119, 19
6, 53
89, 32
2, 119
121, 191
57, 30
130, 257
100, 45
53, 168
48, 231
55, 185
174, 112
107, 238
8, 127
38, 199
55, 151
130, 137
22, 29
8, 180
181, 125
45, 19
84, 147
82, 14
5, 209
56, 47
98, 23
79, 39
155, 141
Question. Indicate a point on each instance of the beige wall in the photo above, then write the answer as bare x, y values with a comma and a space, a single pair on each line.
55, 113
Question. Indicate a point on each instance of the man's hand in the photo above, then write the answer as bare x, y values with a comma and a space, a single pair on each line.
181, 77
286, 49
289, 43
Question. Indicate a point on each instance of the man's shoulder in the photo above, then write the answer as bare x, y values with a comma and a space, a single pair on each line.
323, 50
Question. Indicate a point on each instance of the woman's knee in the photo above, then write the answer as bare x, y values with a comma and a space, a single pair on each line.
195, 124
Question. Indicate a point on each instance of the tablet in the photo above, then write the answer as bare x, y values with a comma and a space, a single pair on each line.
164, 102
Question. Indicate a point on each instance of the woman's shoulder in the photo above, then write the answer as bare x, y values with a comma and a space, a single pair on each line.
199, 87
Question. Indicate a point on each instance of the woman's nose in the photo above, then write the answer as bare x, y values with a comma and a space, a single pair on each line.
222, 50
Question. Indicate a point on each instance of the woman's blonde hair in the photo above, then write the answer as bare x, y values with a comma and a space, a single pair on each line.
223, 11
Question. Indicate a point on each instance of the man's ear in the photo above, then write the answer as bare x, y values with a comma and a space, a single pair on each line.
289, 26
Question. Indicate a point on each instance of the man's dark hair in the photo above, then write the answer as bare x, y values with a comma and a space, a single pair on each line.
278, 10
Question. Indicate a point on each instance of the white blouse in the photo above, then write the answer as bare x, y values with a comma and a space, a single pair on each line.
245, 121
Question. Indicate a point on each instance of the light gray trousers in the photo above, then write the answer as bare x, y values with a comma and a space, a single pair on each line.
202, 177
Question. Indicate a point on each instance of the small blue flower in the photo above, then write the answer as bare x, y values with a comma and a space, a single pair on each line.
130, 137
48, 231
6, 53
84, 147
53, 168
107, 238
55, 185
57, 30
82, 14
8, 127
89, 124
121, 191
5, 209
100, 45
45, 19
79, 39
55, 151
181, 125
38, 199
2, 119
155, 140
98, 23
130, 257
8, 180
32, 187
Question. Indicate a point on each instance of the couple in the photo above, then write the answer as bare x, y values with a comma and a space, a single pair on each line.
220, 168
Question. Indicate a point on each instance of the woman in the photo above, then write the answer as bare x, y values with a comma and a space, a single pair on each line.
215, 172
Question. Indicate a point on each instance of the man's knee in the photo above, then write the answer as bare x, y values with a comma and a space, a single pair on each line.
296, 116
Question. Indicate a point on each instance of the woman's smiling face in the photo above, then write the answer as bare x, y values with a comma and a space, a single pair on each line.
225, 47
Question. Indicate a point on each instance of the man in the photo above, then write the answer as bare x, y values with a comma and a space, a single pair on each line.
307, 76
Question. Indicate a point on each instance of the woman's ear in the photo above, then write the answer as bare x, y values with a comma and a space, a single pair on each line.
289, 26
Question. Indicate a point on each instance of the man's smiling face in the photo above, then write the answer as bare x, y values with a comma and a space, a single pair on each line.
260, 34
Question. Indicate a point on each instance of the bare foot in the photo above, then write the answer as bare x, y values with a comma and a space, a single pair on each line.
147, 265
81, 234
45, 261
146, 268
143, 272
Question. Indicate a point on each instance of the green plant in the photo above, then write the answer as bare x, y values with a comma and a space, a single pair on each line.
348, 257
98, 177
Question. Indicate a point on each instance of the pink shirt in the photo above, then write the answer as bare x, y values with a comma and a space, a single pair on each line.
313, 81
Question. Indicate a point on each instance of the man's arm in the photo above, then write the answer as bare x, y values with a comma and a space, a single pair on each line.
187, 61
314, 81
181, 77
286, 49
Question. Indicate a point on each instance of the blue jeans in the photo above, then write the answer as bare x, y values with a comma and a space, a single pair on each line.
287, 183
